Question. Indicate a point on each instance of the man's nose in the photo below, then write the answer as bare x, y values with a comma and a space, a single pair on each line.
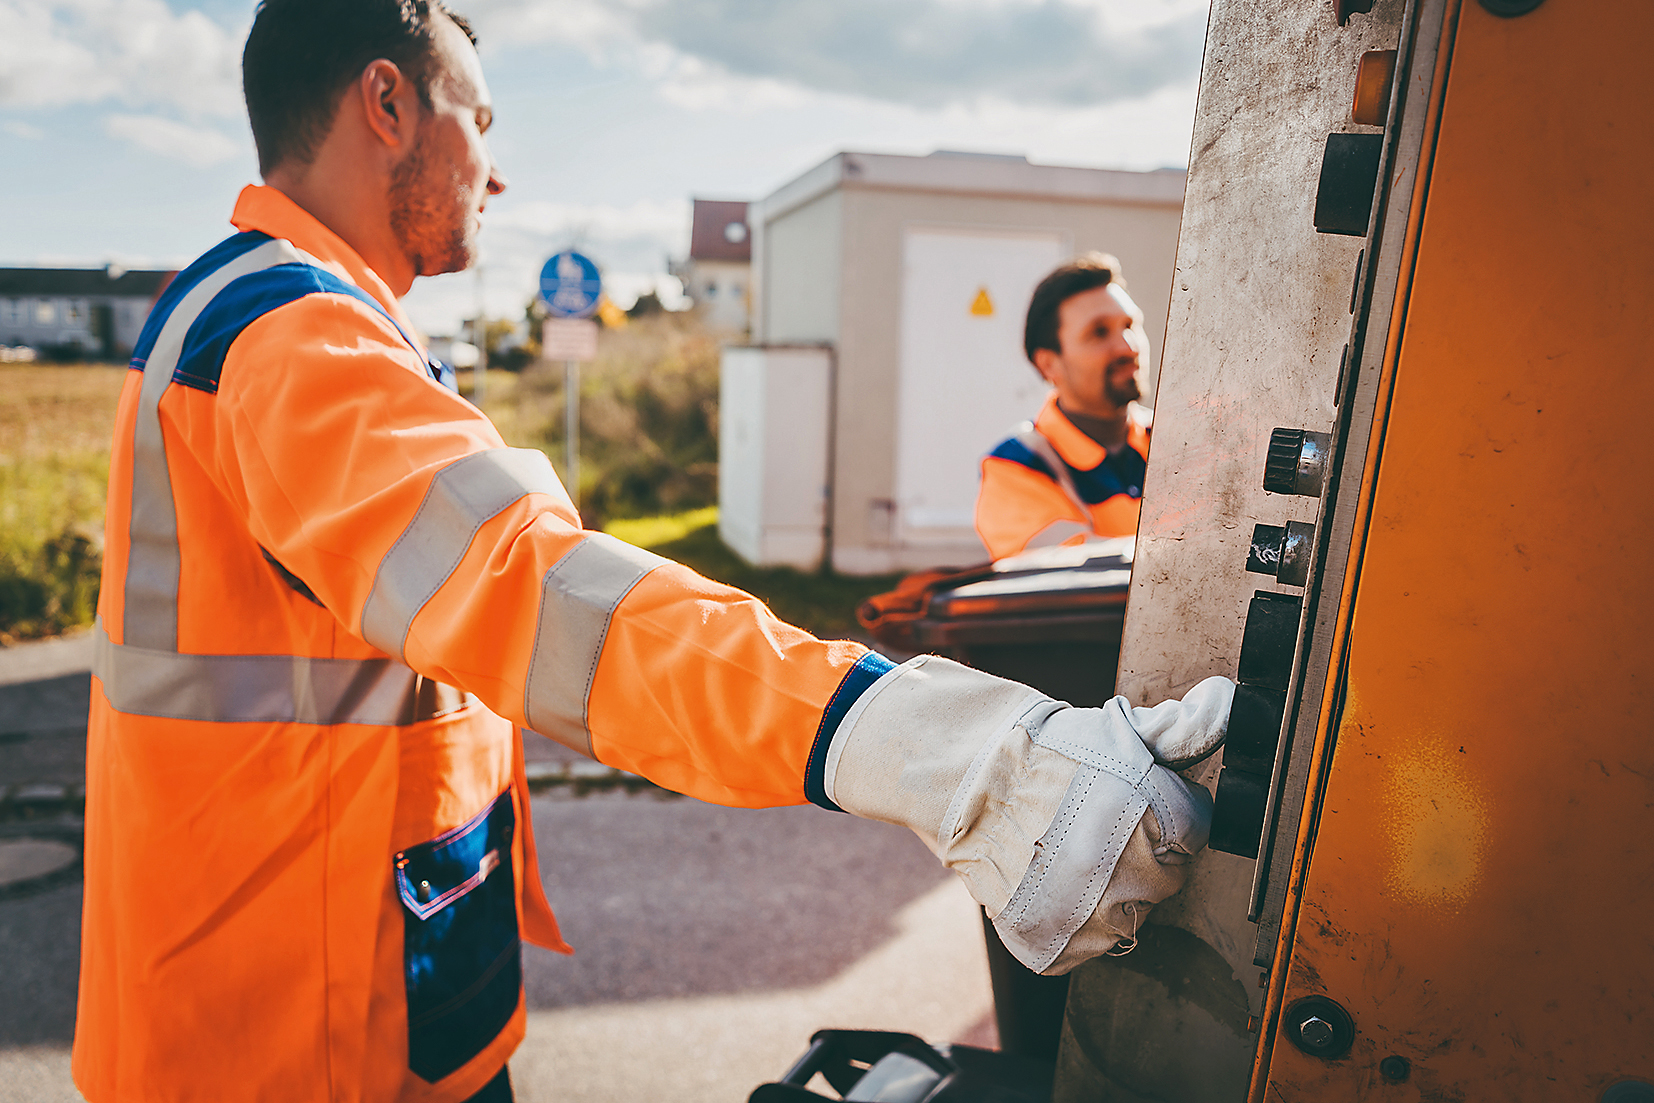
496, 179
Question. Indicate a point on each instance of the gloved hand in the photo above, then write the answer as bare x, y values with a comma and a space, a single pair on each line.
1067, 824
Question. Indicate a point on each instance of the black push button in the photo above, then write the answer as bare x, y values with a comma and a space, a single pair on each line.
1237, 812
1269, 640
1349, 177
1254, 729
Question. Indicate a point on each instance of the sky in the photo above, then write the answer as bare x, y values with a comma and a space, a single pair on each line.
124, 138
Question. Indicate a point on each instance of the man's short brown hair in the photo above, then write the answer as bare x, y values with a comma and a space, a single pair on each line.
1078, 275
301, 54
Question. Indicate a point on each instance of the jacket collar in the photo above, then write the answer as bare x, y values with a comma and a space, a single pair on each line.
1078, 450
269, 211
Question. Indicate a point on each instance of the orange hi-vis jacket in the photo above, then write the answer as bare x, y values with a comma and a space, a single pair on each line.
330, 595
1050, 484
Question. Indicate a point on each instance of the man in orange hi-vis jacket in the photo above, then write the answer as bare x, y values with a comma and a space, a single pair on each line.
331, 595
1075, 472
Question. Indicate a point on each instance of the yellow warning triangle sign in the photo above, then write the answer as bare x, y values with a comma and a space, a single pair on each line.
983, 307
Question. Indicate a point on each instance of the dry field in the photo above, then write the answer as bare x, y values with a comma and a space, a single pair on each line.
55, 424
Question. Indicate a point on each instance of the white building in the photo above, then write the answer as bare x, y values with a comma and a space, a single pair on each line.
717, 275
889, 295
90, 311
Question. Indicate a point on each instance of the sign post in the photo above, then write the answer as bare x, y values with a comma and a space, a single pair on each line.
571, 288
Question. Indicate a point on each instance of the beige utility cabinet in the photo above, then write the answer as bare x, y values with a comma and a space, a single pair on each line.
912, 274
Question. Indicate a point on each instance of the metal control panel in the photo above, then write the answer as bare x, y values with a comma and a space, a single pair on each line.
1396, 493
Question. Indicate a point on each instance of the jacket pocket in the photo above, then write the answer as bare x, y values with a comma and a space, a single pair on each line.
462, 958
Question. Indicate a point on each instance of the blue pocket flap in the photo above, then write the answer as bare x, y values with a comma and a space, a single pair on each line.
434, 874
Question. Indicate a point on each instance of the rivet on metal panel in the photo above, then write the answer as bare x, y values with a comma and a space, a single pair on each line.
1509, 9
1395, 1069
1373, 82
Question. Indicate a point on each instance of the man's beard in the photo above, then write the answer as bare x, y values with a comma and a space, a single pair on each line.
1121, 391
431, 215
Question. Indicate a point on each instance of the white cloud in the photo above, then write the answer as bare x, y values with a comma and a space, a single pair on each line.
18, 128
196, 146
138, 53
1064, 54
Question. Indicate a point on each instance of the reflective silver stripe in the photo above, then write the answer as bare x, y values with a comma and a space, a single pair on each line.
1055, 533
151, 591
577, 601
267, 689
462, 498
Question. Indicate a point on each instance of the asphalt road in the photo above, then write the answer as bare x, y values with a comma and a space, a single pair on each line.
710, 942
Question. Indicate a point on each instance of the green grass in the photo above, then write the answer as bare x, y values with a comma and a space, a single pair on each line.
55, 424
652, 532
819, 602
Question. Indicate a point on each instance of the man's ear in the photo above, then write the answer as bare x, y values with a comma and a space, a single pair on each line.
1045, 362
390, 103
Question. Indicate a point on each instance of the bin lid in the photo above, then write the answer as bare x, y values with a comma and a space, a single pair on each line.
1083, 577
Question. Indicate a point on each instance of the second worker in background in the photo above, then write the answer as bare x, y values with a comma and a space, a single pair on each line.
1076, 471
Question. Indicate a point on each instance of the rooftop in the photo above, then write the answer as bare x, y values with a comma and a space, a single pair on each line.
718, 231
973, 173
138, 283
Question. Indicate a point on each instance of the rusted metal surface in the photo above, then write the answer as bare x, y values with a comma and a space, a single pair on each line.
1258, 320
1259, 314
1476, 894
1385, 272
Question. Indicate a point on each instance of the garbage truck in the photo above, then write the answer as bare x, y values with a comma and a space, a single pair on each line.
1397, 490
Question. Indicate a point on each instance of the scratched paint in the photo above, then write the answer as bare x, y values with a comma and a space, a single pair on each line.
1436, 825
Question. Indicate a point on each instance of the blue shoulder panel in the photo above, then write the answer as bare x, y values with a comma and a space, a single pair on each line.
1121, 473
241, 304
1014, 450
203, 266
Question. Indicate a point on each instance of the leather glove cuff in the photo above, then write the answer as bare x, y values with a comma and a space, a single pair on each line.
1059, 819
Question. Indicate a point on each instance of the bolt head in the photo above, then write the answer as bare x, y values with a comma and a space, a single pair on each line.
1316, 1032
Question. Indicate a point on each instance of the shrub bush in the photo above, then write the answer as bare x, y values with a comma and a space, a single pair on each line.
648, 418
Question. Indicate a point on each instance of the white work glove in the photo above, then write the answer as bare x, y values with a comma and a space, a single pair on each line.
1067, 824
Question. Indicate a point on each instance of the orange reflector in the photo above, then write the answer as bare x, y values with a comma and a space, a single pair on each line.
1372, 87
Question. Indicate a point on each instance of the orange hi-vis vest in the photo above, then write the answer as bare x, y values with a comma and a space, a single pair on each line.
330, 595
1050, 484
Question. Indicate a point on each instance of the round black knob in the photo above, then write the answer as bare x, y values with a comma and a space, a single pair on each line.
1280, 469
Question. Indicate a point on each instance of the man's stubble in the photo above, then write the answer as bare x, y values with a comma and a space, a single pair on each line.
430, 213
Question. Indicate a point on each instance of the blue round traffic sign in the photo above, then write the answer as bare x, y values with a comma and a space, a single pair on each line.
570, 285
